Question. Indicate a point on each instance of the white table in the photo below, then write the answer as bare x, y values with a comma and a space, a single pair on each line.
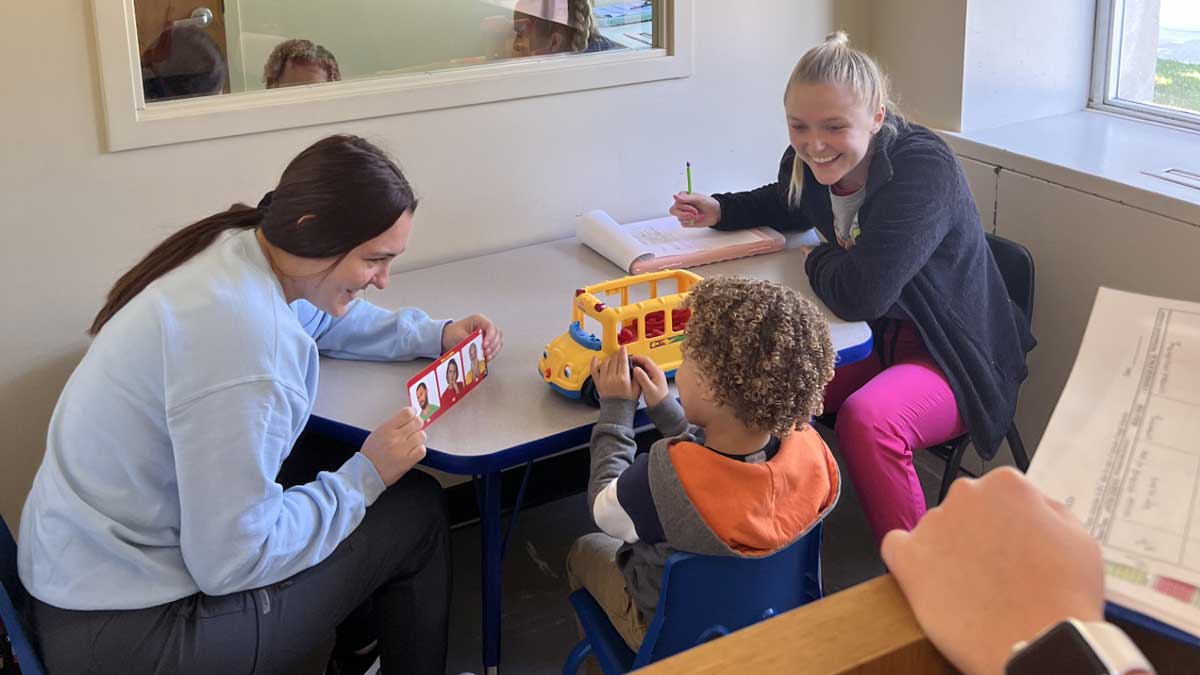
513, 417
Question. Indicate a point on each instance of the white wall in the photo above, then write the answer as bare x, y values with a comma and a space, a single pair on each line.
919, 45
854, 17
1025, 59
490, 177
961, 65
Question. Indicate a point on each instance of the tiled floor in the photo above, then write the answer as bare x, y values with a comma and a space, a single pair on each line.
539, 627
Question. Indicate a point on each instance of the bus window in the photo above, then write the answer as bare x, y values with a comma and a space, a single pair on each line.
628, 332
622, 291
656, 324
679, 318
591, 326
639, 292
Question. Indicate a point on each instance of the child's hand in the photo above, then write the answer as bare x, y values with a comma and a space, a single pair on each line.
612, 378
651, 379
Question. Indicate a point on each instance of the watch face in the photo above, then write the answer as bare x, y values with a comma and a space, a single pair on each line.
1062, 650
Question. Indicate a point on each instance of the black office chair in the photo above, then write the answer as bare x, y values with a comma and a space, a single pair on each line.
1016, 268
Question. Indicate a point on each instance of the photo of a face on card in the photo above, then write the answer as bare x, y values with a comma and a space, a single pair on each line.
474, 365
424, 396
448, 379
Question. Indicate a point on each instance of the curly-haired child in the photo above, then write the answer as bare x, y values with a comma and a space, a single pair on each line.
739, 470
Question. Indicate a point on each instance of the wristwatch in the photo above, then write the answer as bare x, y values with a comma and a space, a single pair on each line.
1074, 647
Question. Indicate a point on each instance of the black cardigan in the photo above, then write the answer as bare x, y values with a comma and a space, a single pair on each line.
921, 249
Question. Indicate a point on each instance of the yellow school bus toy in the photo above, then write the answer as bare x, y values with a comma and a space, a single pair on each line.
652, 327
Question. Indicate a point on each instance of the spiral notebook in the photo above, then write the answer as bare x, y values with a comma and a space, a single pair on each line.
662, 243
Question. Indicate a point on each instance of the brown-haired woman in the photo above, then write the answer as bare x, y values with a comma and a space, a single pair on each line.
158, 536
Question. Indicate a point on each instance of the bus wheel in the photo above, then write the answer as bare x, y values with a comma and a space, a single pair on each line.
588, 393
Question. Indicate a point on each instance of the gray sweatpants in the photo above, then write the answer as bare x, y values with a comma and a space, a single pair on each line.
398, 558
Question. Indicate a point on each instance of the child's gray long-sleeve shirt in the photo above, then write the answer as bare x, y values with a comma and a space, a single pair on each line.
619, 489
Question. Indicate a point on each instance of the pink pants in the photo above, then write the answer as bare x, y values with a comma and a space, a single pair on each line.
883, 416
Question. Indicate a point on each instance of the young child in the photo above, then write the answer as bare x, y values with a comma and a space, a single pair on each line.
738, 472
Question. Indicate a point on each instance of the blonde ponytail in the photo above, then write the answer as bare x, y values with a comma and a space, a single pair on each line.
835, 62
583, 24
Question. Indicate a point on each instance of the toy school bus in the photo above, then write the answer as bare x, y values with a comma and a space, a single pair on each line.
653, 327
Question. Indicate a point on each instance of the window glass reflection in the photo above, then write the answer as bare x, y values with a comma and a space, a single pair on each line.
234, 46
182, 62
542, 27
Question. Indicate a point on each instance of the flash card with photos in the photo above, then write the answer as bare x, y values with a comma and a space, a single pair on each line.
452, 376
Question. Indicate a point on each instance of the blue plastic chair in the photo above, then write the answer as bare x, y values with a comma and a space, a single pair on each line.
702, 598
13, 601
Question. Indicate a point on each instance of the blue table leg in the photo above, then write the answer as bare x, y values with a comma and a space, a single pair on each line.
492, 556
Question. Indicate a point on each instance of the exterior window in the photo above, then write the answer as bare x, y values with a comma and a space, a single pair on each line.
1147, 61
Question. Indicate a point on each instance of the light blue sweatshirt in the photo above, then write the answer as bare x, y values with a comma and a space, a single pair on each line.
159, 475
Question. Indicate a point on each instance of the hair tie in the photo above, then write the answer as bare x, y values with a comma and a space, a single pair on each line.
265, 203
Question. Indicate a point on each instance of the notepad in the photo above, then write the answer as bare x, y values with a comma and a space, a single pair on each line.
662, 243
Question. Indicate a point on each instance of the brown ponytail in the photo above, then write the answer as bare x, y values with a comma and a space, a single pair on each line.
346, 190
176, 250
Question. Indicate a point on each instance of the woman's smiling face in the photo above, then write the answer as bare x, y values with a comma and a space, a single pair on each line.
830, 129
368, 264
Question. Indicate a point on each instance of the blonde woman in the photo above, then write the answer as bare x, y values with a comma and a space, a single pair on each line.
906, 252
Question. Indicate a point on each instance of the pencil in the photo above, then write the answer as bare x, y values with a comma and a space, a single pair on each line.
689, 177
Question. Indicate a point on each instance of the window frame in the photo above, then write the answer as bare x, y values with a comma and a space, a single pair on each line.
130, 123
1110, 16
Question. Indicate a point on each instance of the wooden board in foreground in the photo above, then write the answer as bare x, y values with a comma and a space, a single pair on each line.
862, 630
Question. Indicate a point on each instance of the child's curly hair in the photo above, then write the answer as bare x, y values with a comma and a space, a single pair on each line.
299, 51
763, 349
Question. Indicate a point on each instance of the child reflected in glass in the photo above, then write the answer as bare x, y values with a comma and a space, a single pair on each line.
542, 27
296, 62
